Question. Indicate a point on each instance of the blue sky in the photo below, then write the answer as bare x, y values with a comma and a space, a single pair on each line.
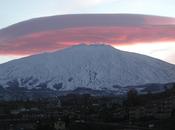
13, 11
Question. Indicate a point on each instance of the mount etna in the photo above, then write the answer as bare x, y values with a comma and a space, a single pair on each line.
85, 67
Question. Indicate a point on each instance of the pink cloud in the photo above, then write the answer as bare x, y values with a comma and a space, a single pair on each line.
57, 39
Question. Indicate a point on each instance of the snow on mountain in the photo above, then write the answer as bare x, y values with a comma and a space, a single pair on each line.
97, 67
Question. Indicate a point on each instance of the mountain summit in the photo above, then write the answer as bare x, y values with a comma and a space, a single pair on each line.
96, 67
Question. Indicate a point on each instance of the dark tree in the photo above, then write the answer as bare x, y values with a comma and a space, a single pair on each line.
132, 97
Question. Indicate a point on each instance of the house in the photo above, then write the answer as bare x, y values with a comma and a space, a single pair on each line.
60, 125
23, 126
136, 112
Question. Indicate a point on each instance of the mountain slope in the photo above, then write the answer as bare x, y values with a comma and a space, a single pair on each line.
98, 67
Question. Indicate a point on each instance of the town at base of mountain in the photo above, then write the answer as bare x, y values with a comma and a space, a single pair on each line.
83, 112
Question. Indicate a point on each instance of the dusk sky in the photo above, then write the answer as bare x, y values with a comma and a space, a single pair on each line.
156, 41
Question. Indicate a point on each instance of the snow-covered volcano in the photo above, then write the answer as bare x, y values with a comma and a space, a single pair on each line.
96, 67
